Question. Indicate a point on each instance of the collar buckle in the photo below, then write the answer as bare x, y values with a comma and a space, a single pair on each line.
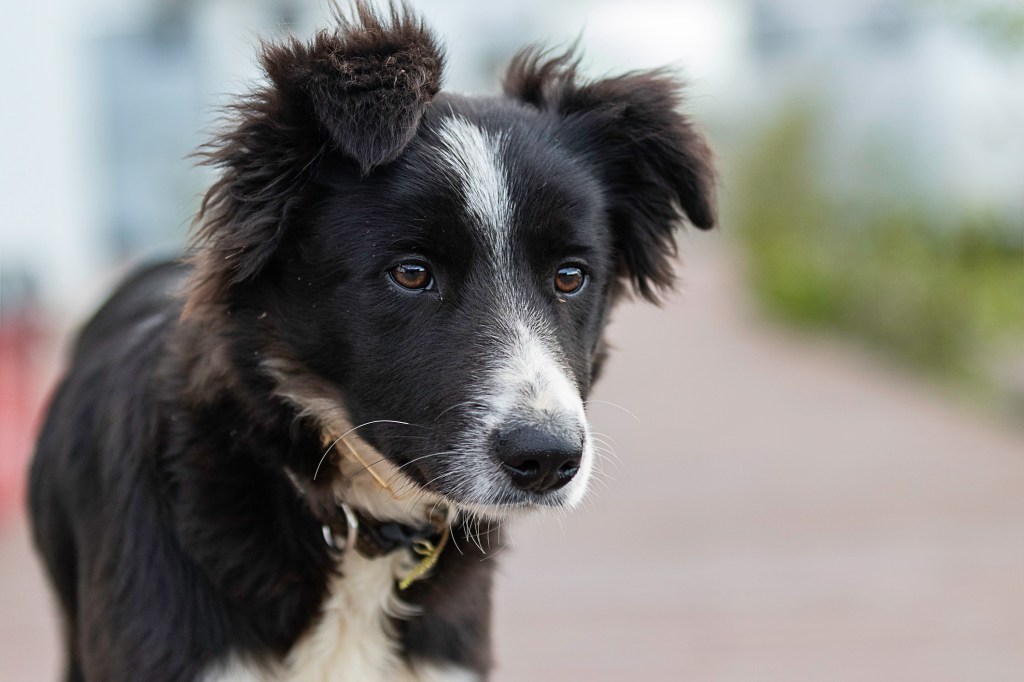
351, 530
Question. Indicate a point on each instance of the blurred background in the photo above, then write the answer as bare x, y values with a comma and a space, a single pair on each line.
816, 447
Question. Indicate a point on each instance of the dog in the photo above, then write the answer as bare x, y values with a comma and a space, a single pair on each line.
283, 455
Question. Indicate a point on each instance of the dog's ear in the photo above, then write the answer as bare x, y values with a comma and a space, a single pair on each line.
653, 161
358, 92
367, 84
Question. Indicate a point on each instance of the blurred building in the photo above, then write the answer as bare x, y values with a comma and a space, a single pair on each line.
917, 97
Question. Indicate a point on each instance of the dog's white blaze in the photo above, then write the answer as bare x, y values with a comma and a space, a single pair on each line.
536, 387
530, 366
526, 384
475, 156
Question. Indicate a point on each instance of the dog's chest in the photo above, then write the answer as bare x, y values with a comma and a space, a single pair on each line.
353, 638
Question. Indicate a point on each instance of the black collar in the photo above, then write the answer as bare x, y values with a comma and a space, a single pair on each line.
374, 538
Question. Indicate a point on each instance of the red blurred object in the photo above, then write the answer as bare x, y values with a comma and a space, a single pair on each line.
22, 340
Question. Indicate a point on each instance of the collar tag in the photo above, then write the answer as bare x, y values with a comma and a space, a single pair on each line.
430, 552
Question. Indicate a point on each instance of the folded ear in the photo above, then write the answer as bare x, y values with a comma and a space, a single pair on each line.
367, 83
358, 91
653, 161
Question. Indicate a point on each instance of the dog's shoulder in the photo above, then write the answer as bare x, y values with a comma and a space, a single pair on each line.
146, 301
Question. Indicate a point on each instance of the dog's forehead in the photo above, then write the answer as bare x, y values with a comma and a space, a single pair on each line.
506, 173
475, 156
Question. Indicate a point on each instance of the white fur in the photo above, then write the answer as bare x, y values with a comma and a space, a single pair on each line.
236, 669
433, 673
352, 639
475, 156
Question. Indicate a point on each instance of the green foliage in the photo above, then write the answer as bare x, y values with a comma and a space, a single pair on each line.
935, 296
1002, 26
998, 23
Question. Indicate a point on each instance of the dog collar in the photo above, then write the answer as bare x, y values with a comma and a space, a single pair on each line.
373, 538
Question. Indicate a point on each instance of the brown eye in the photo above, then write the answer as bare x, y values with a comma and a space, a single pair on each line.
414, 276
569, 279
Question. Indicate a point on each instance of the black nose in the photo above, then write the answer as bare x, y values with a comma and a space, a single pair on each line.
538, 460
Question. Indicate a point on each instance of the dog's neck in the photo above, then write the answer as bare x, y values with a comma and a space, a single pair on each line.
348, 469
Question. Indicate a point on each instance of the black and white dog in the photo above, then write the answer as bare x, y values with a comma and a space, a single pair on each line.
385, 334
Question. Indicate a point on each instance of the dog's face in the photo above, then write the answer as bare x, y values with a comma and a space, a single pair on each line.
448, 263
462, 290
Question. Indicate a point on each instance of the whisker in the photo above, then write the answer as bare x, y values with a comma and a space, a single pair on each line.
373, 463
600, 434
452, 407
451, 532
606, 402
356, 428
604, 457
411, 461
495, 552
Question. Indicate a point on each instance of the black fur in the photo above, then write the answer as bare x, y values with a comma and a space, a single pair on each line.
163, 492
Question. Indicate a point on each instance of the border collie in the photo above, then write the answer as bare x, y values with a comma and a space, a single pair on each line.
278, 457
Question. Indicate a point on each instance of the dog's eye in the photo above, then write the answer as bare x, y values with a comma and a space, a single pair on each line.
569, 279
414, 276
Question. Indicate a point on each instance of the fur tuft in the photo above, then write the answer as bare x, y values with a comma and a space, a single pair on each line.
368, 82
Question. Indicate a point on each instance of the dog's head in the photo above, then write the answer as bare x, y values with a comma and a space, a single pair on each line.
446, 264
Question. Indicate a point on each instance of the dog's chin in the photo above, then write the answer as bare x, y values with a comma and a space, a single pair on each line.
507, 503
511, 511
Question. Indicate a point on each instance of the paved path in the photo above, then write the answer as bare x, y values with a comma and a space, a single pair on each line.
784, 509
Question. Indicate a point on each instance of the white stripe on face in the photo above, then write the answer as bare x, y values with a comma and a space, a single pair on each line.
531, 386
475, 156
527, 381
534, 385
